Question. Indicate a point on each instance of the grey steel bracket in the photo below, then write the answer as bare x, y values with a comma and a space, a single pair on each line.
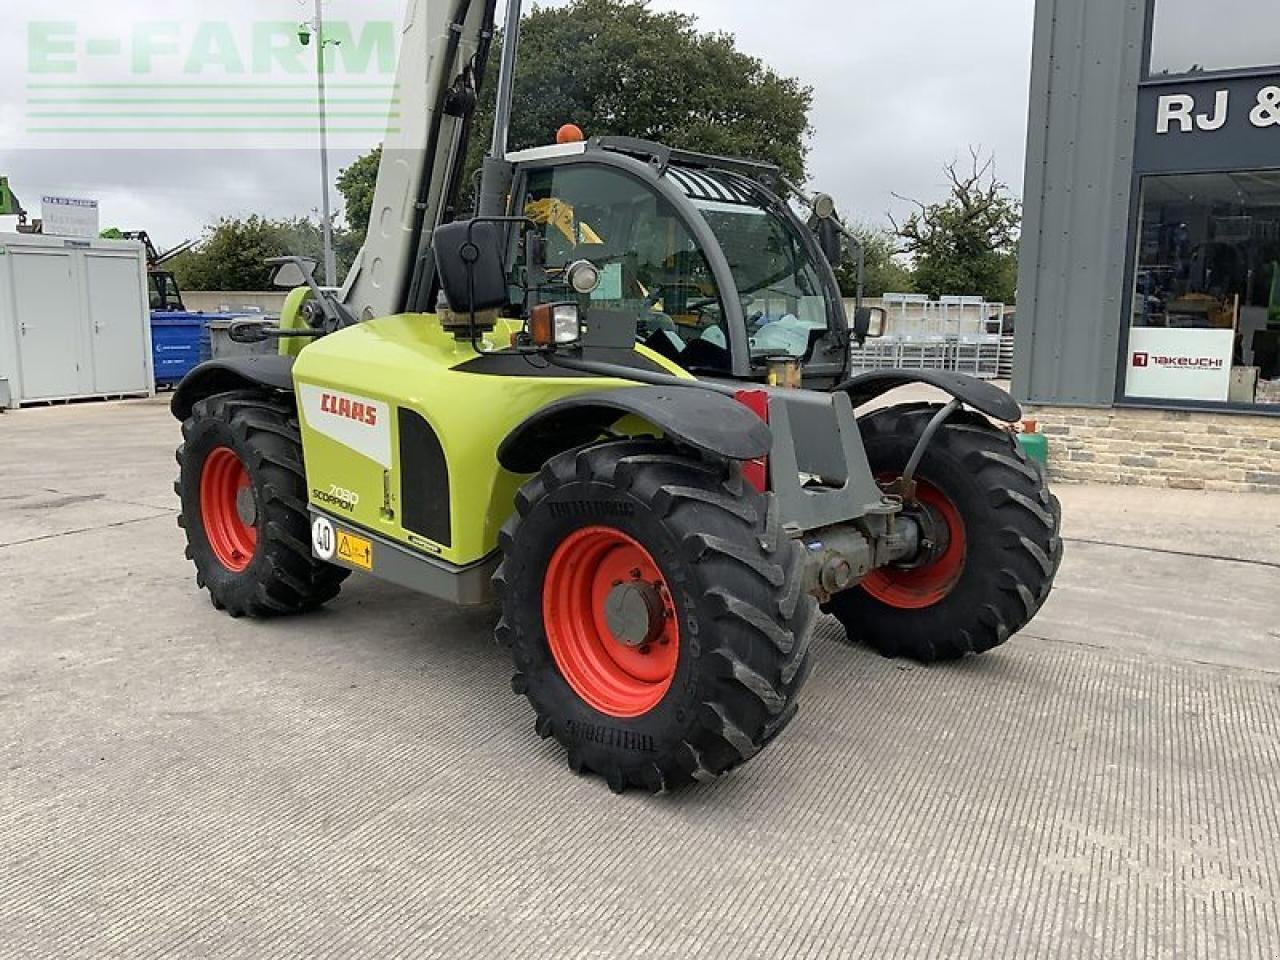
804, 424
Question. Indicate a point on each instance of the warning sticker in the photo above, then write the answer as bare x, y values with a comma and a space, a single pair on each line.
356, 551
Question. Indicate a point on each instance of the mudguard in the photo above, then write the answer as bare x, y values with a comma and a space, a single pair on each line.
703, 419
270, 371
979, 394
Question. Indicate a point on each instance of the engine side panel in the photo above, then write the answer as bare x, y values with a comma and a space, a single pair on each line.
365, 393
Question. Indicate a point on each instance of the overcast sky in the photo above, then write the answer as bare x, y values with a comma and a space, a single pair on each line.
901, 87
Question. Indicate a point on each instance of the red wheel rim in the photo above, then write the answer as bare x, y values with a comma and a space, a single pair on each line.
222, 483
924, 586
614, 678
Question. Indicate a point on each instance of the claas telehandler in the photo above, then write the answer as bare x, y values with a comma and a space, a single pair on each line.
579, 398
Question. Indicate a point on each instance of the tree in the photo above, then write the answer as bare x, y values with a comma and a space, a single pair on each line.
232, 254
967, 244
356, 184
884, 272
617, 68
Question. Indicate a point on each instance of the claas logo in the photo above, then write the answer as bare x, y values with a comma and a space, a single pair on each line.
349, 409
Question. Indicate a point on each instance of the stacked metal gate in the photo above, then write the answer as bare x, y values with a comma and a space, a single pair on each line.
962, 334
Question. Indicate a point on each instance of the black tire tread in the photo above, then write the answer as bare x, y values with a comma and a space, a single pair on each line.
756, 684
1027, 518
289, 579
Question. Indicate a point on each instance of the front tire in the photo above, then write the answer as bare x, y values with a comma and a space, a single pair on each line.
243, 489
706, 670
1001, 535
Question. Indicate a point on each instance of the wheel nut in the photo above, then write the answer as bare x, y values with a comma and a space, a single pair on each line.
837, 575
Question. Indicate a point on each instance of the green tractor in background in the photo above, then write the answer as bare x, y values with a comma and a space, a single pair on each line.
10, 205
581, 402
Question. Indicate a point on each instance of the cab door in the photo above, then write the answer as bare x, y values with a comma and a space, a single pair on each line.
657, 286
789, 297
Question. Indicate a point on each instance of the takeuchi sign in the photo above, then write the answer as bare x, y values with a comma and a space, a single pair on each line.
1143, 359
1169, 364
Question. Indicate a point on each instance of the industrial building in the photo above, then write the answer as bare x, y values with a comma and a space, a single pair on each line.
1148, 342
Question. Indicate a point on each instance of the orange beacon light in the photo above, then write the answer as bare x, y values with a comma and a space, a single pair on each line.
570, 133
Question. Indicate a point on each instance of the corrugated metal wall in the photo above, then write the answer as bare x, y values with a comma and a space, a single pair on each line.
1086, 61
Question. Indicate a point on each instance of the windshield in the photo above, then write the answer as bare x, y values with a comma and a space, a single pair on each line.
777, 280
655, 273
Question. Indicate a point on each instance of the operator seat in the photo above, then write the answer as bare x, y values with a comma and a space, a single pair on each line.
704, 355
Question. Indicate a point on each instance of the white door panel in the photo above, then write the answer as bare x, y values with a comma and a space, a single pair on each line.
116, 314
49, 322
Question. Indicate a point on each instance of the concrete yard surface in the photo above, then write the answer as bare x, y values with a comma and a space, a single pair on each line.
362, 781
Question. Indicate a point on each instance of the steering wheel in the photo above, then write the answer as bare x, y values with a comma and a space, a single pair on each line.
661, 289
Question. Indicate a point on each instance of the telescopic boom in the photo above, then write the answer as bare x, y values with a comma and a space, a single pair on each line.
444, 46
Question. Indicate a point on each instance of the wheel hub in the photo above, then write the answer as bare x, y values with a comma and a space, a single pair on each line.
634, 613
933, 573
246, 506
610, 622
935, 536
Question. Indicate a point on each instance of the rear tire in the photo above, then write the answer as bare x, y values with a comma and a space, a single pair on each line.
736, 613
1004, 556
243, 489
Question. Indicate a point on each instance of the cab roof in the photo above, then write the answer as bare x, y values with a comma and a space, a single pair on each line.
660, 155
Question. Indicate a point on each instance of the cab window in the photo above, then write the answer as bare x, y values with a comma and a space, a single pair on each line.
653, 273
164, 292
778, 282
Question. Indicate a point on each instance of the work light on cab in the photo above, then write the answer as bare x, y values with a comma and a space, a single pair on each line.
555, 325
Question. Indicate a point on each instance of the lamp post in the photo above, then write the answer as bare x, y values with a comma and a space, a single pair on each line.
326, 211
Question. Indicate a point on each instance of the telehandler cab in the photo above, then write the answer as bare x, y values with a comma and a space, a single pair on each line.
574, 400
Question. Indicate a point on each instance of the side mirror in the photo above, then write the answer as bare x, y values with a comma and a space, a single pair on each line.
472, 268
292, 272
870, 323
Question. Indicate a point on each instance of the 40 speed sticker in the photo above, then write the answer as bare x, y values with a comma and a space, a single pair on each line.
347, 547
323, 540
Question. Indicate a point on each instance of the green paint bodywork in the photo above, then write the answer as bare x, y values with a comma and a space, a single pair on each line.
410, 361
291, 319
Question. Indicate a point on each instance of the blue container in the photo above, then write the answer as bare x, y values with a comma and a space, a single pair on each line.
175, 344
